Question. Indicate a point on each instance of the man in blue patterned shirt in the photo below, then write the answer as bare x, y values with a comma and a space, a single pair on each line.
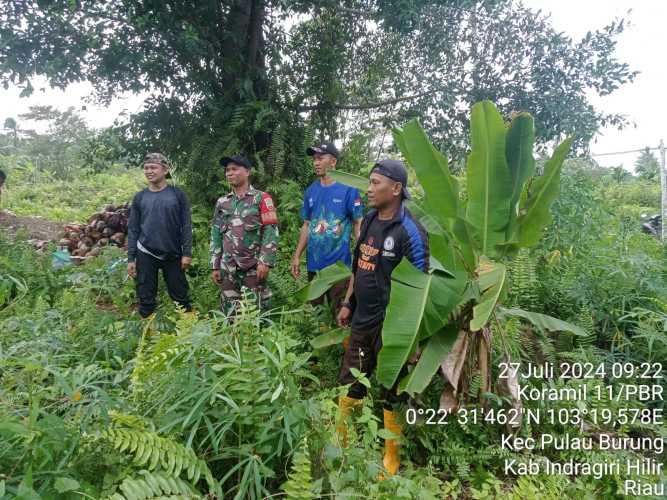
331, 211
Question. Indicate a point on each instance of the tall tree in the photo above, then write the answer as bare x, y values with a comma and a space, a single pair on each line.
646, 166
10, 124
264, 76
58, 148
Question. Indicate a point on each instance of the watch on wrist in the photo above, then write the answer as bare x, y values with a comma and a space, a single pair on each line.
347, 304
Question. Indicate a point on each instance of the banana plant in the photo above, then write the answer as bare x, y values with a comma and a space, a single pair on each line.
505, 207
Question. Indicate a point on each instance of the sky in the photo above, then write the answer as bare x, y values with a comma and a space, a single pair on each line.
640, 46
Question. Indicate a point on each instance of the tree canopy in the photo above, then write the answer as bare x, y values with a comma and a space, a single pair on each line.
265, 76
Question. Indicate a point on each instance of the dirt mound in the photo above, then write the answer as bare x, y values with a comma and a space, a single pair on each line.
37, 228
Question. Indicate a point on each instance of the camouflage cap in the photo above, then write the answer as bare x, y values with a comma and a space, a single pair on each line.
157, 158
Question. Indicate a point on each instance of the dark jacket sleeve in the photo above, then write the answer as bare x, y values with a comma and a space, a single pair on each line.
186, 224
134, 227
415, 244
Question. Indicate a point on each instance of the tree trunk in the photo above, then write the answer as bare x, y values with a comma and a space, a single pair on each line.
243, 50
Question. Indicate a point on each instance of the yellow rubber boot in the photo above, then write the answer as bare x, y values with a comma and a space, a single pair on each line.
391, 459
346, 405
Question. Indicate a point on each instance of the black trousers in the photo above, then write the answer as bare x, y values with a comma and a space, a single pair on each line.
362, 353
147, 276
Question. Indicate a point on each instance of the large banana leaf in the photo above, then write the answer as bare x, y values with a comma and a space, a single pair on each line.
536, 215
409, 296
435, 352
442, 245
489, 183
520, 161
424, 216
464, 243
332, 337
491, 281
355, 181
444, 295
432, 170
543, 321
323, 280
419, 306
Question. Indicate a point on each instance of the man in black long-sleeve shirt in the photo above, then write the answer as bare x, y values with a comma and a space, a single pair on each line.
159, 237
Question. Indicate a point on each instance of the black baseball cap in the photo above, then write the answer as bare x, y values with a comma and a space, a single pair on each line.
395, 170
324, 148
238, 159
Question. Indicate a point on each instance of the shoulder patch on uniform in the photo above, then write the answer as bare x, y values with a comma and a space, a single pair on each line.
268, 210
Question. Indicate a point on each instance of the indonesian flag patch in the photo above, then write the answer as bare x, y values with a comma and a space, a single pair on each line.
267, 210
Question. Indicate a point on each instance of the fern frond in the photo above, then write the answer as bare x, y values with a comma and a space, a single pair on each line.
585, 321
154, 452
154, 485
524, 280
299, 486
278, 150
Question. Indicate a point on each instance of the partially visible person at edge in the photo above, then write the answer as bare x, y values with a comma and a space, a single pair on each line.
330, 212
244, 238
159, 237
3, 178
388, 233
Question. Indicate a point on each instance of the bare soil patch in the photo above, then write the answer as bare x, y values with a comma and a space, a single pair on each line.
37, 228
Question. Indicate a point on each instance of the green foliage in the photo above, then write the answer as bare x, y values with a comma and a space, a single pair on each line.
232, 394
345, 66
147, 485
524, 282
644, 195
300, 484
32, 191
489, 184
325, 280
155, 453
95, 404
647, 166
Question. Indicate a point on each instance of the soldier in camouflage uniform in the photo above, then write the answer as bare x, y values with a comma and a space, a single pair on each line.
244, 237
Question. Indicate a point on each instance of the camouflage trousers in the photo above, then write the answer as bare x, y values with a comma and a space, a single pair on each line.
233, 280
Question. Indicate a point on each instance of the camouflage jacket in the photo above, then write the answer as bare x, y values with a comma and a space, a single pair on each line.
245, 231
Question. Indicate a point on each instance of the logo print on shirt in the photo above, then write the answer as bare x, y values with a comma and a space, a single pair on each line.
389, 244
368, 255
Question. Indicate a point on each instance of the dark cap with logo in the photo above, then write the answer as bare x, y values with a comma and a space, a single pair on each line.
237, 159
395, 170
323, 149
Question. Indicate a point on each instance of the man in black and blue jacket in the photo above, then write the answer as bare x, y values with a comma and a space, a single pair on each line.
388, 233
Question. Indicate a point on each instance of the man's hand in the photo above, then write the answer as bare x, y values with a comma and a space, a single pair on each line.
185, 262
215, 276
262, 271
132, 269
294, 268
343, 318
